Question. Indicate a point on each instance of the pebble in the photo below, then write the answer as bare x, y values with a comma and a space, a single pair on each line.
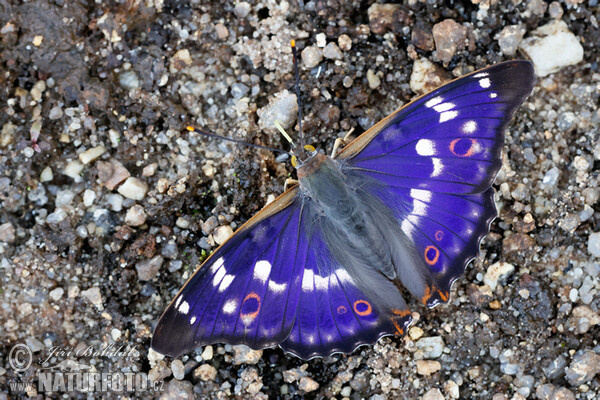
570, 222
496, 273
529, 155
243, 354
7, 233
283, 107
91, 154
307, 384
346, 391
169, 250
149, 169
555, 368
551, 177
56, 294
415, 332
593, 244
73, 170
93, 295
55, 113
332, 52
373, 79
550, 392
510, 38
129, 80
133, 188
239, 90
207, 353
381, 17
88, 197
311, 56
205, 372
429, 347
112, 173
64, 198
242, 9
552, 47
34, 344
178, 390
555, 10
46, 175
115, 201
433, 394
426, 76
422, 38
182, 223
449, 37
209, 225
178, 369
180, 60
57, 216
147, 269
344, 42
507, 363
222, 233
584, 366
135, 216
583, 318
222, 32
427, 367
452, 389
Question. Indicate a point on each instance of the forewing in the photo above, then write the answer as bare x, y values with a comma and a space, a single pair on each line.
247, 291
450, 140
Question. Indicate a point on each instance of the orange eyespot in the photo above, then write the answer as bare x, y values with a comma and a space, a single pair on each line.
439, 235
468, 153
365, 306
249, 316
341, 310
432, 255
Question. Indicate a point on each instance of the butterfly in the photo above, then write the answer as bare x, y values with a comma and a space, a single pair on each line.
324, 268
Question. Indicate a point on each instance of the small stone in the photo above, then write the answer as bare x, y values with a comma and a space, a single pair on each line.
115, 201
112, 173
239, 90
178, 369
147, 269
205, 372
64, 198
55, 113
207, 353
427, 367
91, 154
57, 216
245, 355
311, 56
242, 9
429, 347
149, 170
555, 10
93, 295
129, 80
552, 47
373, 79
452, 389
381, 17
518, 242
555, 368
283, 108
593, 244
332, 52
133, 188
222, 32
180, 60
34, 344
321, 40
426, 76
73, 170
7, 233
510, 38
307, 384
116, 334
347, 391
496, 273
88, 197
422, 38
209, 225
46, 175
222, 233
433, 394
344, 42
570, 222
550, 392
584, 366
583, 318
136, 216
449, 37
56, 294
415, 332
529, 155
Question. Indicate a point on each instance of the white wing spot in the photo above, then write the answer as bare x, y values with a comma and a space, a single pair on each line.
438, 167
435, 101
184, 308
407, 228
262, 270
217, 264
419, 208
230, 306
480, 75
178, 301
443, 107
493, 95
277, 287
192, 320
311, 339
343, 276
485, 83
218, 276
321, 282
420, 194
448, 115
425, 147
469, 127
308, 280
226, 282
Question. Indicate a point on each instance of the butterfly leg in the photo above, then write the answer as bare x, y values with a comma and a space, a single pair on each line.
289, 183
340, 141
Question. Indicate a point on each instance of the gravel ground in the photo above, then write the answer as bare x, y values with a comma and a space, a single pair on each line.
108, 204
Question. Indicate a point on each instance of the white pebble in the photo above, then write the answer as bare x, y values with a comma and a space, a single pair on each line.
73, 170
46, 175
133, 188
91, 154
88, 197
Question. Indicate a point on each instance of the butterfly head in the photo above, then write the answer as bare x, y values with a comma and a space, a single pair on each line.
301, 156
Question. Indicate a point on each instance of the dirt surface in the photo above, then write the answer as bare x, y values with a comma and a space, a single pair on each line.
108, 204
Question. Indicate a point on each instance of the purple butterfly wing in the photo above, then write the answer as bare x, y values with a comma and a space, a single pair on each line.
247, 291
434, 162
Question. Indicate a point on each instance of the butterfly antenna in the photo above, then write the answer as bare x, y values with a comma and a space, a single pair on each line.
205, 133
297, 85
